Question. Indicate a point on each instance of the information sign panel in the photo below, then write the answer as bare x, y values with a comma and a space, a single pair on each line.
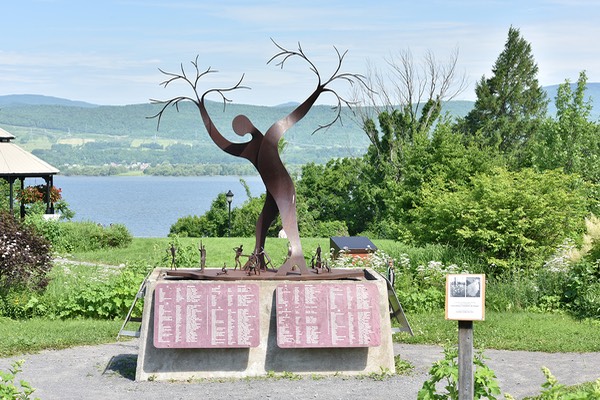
213, 315
465, 297
328, 315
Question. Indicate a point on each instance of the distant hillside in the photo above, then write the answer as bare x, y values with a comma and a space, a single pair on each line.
65, 120
70, 133
36, 100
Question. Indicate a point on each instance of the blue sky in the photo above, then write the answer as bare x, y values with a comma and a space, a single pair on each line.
109, 51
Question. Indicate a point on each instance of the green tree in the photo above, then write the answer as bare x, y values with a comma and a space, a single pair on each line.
511, 103
404, 111
570, 141
213, 223
404, 106
243, 218
335, 192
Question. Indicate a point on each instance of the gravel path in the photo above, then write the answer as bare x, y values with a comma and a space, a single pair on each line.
107, 372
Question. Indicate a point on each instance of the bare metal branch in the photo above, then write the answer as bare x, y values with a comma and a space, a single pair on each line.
351, 78
192, 82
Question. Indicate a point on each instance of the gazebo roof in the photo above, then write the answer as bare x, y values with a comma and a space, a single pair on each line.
16, 162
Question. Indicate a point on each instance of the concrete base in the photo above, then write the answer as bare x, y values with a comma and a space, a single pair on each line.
183, 364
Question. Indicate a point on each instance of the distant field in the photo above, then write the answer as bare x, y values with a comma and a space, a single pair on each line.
75, 141
162, 142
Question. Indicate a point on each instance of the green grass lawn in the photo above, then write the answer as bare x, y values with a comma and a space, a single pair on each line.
218, 250
33, 335
502, 331
545, 332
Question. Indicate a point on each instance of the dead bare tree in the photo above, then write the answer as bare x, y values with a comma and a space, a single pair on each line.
415, 91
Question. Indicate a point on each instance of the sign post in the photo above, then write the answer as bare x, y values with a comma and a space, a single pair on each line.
465, 303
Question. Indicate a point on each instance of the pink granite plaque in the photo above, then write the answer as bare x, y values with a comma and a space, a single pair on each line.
188, 315
328, 315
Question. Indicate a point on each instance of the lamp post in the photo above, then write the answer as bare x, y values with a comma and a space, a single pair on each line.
229, 197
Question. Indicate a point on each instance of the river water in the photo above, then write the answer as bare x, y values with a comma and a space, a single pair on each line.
148, 205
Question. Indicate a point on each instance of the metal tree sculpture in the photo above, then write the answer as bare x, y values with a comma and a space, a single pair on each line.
262, 149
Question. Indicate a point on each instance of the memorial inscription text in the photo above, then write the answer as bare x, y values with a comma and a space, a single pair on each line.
218, 315
328, 315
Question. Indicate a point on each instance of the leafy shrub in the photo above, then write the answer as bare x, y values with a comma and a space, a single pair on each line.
324, 229
52, 230
244, 218
185, 256
116, 235
445, 371
105, 300
188, 226
427, 290
68, 236
513, 219
8, 389
516, 291
553, 390
422, 287
213, 223
590, 248
582, 290
24, 255
20, 303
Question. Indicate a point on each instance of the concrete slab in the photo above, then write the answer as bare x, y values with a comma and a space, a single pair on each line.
179, 363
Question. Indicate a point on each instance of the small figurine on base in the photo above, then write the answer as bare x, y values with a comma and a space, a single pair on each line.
202, 256
238, 253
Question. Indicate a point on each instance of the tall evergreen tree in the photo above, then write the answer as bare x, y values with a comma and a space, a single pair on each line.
511, 103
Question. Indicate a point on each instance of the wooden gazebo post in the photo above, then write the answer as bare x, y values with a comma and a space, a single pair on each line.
11, 194
49, 184
22, 208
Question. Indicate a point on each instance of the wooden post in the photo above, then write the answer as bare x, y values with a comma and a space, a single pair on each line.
465, 360
22, 210
11, 196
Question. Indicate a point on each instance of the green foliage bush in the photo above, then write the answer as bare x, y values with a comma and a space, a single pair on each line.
513, 219
335, 192
445, 372
24, 255
582, 289
20, 303
100, 295
104, 300
422, 287
552, 390
324, 229
8, 388
69, 236
215, 222
243, 218
512, 292
188, 226
186, 256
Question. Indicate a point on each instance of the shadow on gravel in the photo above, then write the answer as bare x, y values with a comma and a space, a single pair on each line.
122, 364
